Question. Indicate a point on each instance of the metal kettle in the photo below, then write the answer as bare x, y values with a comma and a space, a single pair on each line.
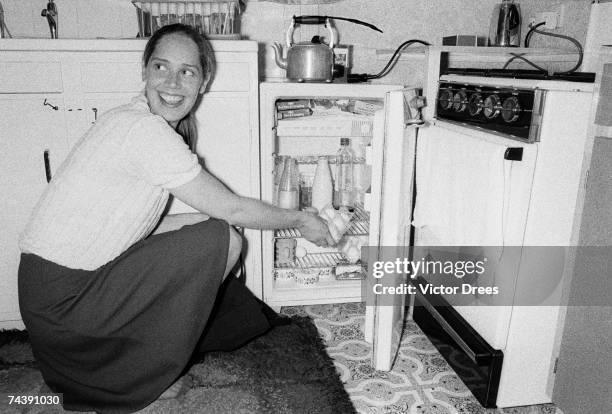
307, 61
506, 25
312, 61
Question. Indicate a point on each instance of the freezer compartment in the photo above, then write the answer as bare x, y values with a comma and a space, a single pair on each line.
325, 107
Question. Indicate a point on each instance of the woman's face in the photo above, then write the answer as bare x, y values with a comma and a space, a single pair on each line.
174, 78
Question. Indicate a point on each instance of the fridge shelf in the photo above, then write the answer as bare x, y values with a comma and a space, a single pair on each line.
315, 260
316, 268
359, 226
313, 159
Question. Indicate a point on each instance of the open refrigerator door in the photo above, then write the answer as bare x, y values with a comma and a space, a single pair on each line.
393, 188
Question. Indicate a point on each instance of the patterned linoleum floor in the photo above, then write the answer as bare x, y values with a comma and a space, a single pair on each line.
421, 382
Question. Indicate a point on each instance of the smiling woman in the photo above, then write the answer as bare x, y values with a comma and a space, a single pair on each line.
116, 296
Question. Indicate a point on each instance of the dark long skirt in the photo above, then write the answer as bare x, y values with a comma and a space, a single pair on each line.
113, 339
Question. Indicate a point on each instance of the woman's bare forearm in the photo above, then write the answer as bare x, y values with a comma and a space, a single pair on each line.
206, 194
253, 213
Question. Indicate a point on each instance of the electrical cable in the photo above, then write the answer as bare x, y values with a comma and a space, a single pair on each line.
363, 77
533, 29
530, 32
574, 41
520, 57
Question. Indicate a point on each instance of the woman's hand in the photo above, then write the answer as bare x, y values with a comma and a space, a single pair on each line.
315, 230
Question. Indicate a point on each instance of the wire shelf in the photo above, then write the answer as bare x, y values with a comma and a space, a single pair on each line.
313, 159
315, 260
315, 267
360, 223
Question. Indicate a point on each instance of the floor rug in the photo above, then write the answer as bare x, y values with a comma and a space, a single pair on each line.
285, 371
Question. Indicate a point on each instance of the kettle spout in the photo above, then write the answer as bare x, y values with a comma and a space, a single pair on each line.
278, 55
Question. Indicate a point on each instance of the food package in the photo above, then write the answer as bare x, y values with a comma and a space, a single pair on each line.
307, 277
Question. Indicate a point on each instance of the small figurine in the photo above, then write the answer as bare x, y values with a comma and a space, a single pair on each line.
51, 14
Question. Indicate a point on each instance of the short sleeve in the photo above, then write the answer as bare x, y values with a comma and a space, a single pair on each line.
157, 154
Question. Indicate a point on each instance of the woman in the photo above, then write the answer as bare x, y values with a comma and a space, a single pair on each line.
115, 299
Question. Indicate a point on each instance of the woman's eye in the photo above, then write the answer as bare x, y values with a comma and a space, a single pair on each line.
188, 72
159, 66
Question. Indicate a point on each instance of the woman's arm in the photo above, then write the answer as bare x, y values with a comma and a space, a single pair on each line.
206, 194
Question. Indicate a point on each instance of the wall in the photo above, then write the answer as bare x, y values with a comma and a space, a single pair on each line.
77, 18
582, 383
585, 367
401, 20
266, 22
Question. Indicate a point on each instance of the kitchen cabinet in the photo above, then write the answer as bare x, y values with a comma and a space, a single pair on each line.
28, 129
83, 79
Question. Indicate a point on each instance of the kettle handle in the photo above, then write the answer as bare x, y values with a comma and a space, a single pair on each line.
289, 36
332, 40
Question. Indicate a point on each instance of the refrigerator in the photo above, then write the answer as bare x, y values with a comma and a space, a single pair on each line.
306, 121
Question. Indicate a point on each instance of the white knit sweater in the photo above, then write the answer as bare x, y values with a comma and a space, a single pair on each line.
111, 190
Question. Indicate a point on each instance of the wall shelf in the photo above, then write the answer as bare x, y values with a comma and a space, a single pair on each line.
487, 54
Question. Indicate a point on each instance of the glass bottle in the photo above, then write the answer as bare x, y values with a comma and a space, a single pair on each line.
344, 188
288, 191
322, 185
279, 166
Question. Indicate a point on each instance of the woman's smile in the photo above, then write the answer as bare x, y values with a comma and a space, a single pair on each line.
171, 100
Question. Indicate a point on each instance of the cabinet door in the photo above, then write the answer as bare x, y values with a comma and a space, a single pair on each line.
225, 141
230, 150
28, 128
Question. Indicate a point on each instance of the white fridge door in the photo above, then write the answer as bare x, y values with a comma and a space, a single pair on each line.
392, 188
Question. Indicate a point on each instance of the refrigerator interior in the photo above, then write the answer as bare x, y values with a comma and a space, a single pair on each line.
333, 274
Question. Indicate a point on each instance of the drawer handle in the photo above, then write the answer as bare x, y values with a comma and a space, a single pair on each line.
45, 103
448, 329
47, 165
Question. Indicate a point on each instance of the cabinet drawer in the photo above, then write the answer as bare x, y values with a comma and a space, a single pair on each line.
111, 77
30, 77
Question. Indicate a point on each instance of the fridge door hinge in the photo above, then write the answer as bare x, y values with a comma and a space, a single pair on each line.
413, 102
